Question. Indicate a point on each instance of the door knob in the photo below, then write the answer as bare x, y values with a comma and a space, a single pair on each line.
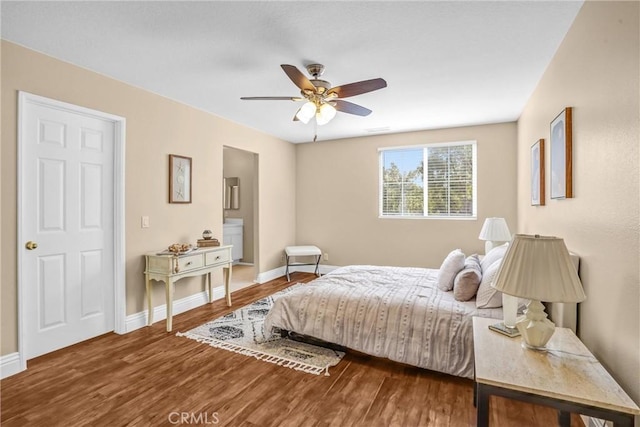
31, 245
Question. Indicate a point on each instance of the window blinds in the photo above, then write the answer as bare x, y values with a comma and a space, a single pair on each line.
434, 180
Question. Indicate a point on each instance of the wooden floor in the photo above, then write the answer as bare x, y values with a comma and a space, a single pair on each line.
152, 378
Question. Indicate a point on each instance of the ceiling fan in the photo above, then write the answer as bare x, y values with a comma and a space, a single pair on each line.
322, 100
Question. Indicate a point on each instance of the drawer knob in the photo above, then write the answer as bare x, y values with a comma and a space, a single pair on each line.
218, 257
188, 264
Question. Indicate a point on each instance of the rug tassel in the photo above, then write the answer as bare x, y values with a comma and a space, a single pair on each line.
280, 361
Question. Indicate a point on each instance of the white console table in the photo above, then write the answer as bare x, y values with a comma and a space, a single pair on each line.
171, 268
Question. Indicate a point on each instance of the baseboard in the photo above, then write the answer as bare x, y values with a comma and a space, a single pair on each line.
267, 276
281, 271
139, 320
10, 364
322, 268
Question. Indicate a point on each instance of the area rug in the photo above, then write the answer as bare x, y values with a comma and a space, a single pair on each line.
242, 331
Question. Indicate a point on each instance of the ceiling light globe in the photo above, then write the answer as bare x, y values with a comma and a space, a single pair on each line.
306, 112
325, 113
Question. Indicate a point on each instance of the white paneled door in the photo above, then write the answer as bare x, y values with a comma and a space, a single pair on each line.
66, 226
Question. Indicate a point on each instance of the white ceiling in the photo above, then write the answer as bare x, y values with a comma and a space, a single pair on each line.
446, 64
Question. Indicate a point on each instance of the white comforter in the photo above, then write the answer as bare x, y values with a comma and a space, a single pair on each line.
393, 312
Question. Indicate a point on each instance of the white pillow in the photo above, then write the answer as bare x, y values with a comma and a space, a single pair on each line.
493, 255
452, 264
487, 296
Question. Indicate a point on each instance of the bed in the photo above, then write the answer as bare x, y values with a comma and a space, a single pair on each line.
394, 312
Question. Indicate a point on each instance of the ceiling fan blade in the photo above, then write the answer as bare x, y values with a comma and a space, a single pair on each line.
298, 78
271, 98
351, 108
358, 88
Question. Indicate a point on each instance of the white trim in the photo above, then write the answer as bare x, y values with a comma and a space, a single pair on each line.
22, 101
448, 218
119, 247
427, 145
424, 148
280, 271
270, 275
10, 364
139, 320
322, 268
25, 98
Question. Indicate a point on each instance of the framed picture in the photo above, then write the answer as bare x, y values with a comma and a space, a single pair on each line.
537, 173
561, 169
179, 179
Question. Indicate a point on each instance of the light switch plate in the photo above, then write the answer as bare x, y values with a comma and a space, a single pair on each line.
144, 222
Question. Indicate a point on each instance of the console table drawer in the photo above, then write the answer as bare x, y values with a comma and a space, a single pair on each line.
217, 257
192, 262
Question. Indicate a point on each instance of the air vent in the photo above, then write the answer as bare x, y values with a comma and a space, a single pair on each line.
380, 129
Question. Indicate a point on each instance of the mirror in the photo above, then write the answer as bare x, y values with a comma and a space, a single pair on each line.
232, 193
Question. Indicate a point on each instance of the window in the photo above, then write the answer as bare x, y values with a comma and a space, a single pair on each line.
435, 180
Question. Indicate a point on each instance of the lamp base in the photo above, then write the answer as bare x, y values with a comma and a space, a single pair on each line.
488, 245
510, 310
530, 347
535, 328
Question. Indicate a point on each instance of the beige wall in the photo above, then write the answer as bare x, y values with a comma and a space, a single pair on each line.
156, 127
596, 71
337, 199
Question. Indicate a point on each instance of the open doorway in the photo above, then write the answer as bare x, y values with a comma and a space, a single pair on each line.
240, 213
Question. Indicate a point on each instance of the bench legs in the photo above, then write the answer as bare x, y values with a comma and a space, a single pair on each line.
316, 263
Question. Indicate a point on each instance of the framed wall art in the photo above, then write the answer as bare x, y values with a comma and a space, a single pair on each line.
179, 179
561, 162
537, 173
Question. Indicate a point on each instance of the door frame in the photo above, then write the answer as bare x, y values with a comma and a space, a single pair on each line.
25, 99
256, 205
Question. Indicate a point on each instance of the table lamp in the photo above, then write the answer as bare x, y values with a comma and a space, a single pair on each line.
538, 268
495, 231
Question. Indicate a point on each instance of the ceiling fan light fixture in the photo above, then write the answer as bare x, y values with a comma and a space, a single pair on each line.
306, 112
325, 113
321, 99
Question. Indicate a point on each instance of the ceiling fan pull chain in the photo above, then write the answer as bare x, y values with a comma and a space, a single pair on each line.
315, 130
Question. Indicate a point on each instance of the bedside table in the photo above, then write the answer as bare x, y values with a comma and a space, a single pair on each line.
567, 377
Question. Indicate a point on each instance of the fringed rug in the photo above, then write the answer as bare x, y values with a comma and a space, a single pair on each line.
242, 331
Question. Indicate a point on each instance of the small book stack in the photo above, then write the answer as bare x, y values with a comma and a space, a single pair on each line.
205, 243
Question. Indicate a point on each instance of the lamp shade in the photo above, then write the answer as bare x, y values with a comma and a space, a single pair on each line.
539, 268
495, 229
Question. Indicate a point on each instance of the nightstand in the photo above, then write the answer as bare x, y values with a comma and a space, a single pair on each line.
567, 377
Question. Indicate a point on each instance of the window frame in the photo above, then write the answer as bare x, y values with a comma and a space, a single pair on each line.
424, 147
